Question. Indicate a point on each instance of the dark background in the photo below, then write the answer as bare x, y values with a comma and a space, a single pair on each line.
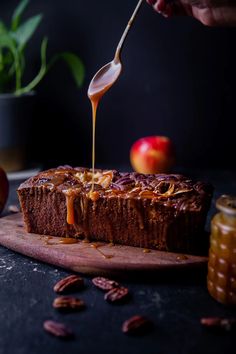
178, 80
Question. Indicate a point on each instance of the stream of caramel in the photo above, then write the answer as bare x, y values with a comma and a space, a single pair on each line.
94, 110
97, 88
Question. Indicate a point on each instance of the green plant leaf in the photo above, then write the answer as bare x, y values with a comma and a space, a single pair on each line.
9, 60
7, 42
23, 34
16, 17
75, 65
3, 28
41, 73
6, 61
2, 31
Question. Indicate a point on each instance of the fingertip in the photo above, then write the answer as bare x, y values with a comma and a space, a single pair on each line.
165, 9
151, 2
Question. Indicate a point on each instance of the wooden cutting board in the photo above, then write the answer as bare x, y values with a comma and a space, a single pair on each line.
89, 258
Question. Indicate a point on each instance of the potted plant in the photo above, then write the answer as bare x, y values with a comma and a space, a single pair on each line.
16, 96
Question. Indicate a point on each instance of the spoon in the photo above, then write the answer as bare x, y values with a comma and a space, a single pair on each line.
110, 72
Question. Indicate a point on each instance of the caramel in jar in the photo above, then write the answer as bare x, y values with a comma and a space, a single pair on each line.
221, 280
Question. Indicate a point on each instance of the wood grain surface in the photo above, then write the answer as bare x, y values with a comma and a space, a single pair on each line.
89, 258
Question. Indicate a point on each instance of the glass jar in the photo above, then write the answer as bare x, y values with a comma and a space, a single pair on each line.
221, 279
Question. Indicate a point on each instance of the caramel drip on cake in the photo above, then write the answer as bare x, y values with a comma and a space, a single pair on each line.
70, 209
84, 211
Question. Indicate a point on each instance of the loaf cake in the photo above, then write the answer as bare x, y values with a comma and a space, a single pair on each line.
162, 211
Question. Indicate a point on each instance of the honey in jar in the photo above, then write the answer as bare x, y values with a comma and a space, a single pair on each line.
221, 280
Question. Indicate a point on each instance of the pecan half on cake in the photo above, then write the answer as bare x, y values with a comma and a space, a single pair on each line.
164, 212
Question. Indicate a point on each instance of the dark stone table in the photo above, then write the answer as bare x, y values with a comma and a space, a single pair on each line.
175, 301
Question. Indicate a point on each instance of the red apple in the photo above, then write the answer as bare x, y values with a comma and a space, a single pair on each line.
4, 189
152, 154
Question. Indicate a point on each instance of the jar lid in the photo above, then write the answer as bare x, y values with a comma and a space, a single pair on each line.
227, 204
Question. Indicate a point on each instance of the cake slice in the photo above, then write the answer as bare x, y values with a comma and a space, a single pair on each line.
163, 212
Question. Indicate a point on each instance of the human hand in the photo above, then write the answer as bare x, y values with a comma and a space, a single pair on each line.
208, 12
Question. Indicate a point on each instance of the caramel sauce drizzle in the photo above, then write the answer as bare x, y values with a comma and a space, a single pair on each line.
94, 103
97, 248
94, 196
68, 240
70, 209
97, 88
146, 250
50, 240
